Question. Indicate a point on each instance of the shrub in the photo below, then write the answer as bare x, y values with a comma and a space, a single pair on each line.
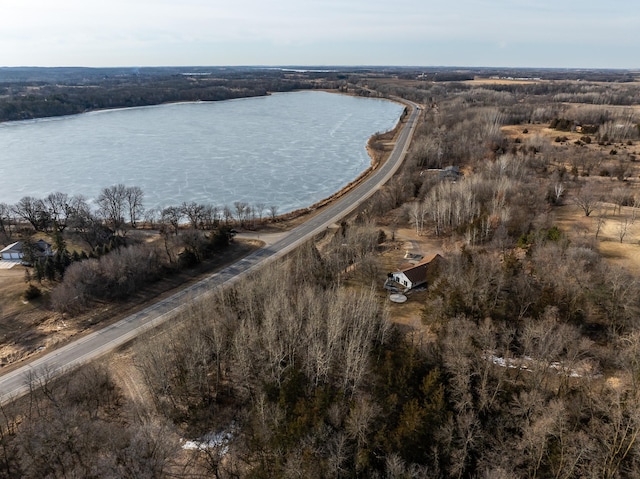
32, 292
554, 234
114, 276
561, 124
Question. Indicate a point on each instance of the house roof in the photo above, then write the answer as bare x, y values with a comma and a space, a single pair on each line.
451, 172
17, 246
42, 245
418, 273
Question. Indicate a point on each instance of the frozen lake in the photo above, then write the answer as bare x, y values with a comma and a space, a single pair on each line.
286, 149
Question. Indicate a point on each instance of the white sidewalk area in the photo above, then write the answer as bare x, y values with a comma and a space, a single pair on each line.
7, 264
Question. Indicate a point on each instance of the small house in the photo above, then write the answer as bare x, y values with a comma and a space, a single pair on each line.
418, 274
12, 252
15, 251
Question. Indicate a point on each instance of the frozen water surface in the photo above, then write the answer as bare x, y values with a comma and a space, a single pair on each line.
286, 149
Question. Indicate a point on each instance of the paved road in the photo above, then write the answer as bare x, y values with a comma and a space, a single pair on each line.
91, 346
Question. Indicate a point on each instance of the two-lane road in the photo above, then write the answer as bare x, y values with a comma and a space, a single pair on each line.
93, 345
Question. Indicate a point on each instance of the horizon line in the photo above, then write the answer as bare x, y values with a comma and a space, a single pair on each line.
330, 66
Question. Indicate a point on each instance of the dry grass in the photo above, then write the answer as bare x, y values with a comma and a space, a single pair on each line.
503, 81
11, 288
516, 131
574, 223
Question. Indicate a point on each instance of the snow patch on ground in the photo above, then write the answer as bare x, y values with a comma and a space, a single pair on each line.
580, 370
213, 440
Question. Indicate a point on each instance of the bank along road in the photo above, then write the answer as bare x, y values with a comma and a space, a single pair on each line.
17, 383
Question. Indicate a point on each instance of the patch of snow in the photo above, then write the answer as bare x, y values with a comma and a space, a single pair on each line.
213, 440
583, 369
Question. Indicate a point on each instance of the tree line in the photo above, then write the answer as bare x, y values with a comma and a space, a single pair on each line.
114, 263
117, 209
22, 97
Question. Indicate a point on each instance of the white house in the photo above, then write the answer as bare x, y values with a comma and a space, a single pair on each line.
418, 274
15, 252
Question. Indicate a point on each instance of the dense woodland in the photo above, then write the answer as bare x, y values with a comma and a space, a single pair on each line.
529, 362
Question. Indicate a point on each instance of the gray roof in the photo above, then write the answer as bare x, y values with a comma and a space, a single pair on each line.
41, 245
17, 246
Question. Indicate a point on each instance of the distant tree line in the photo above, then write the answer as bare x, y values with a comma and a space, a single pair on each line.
26, 100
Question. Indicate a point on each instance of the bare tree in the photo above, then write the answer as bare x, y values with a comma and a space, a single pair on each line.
417, 214
242, 211
58, 207
133, 198
5, 220
260, 207
111, 205
85, 224
227, 214
172, 215
273, 211
9, 421
623, 228
151, 217
33, 211
194, 212
210, 216
586, 199
558, 191
600, 220
617, 432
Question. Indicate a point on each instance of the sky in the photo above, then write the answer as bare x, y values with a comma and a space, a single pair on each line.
498, 33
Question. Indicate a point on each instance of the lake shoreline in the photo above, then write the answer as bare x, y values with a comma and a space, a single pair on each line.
309, 149
376, 162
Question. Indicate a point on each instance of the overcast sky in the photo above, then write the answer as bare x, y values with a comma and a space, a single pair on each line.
511, 33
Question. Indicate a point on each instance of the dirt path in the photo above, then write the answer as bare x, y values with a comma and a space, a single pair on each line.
129, 379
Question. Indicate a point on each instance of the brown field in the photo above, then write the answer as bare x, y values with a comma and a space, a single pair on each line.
503, 81
572, 221
516, 131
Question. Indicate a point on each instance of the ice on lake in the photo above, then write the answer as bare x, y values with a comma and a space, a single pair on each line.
287, 149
